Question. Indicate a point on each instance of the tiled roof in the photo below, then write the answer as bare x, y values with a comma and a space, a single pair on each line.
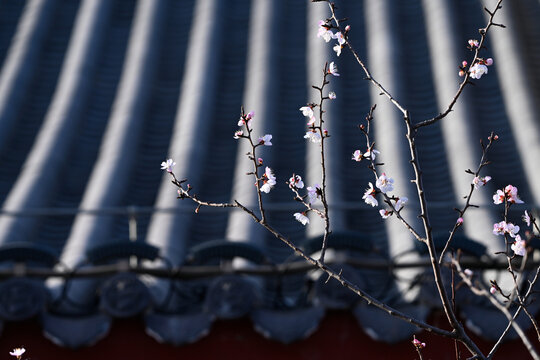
94, 94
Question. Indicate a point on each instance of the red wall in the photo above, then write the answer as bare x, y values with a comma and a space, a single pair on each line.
338, 337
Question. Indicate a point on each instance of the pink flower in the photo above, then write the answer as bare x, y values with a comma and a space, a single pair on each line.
313, 136
400, 203
418, 344
269, 180
357, 155
332, 69
313, 193
168, 165
478, 181
17, 352
324, 31
369, 196
266, 140
493, 290
468, 272
238, 134
384, 183
489, 61
526, 218
477, 70
296, 182
246, 119
519, 246
302, 218
511, 194
260, 161
459, 221
385, 213
332, 95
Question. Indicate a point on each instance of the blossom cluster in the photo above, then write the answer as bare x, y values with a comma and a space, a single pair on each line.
313, 194
327, 35
268, 179
479, 67
509, 195
384, 184
370, 154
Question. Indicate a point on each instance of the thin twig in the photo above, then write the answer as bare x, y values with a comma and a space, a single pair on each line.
468, 204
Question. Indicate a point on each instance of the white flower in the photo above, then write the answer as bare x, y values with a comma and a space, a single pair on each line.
238, 134
512, 230
499, 228
296, 181
269, 180
168, 165
477, 70
526, 218
266, 140
400, 202
302, 218
337, 48
384, 183
519, 246
371, 154
473, 43
314, 136
510, 193
385, 213
332, 95
357, 155
332, 69
340, 38
502, 228
369, 196
313, 193
468, 272
492, 290
499, 197
307, 111
17, 352
324, 32
478, 181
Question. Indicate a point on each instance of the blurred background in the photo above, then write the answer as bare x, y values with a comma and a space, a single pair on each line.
95, 94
